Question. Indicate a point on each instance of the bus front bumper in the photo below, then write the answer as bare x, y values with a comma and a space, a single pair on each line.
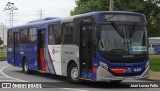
104, 75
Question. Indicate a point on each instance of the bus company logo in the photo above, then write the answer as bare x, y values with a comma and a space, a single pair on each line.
6, 85
55, 51
128, 56
128, 70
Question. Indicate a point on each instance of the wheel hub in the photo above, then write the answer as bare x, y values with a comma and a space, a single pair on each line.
25, 66
74, 73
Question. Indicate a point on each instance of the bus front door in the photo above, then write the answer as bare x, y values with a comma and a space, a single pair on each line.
16, 49
86, 53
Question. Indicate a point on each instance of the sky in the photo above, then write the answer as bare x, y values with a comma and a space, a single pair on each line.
28, 10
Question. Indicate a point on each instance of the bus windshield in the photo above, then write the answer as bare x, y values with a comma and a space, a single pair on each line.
121, 37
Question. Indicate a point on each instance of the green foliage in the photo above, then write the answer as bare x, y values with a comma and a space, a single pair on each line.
3, 54
84, 6
151, 8
1, 42
155, 63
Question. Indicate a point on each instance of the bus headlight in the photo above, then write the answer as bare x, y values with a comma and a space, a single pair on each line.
103, 65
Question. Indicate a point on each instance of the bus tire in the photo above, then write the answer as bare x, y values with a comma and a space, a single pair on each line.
25, 67
73, 73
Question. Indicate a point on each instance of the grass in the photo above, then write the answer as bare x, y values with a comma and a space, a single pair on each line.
3, 54
155, 63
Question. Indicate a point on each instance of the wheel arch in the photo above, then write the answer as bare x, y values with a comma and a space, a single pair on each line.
24, 57
71, 62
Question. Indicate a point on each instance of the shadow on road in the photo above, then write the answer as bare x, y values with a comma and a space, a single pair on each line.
64, 83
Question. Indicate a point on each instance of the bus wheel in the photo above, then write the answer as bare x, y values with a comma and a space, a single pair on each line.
25, 67
73, 73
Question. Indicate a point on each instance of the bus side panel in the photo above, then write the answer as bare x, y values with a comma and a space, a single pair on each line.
10, 39
49, 61
10, 58
17, 57
55, 54
69, 53
30, 52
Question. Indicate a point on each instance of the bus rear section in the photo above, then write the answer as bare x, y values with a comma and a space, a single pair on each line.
26, 48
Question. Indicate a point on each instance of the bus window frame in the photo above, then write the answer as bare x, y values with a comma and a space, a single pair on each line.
53, 35
32, 35
20, 35
63, 33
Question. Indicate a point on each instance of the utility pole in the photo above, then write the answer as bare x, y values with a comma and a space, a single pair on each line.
3, 36
41, 13
3, 28
111, 5
11, 8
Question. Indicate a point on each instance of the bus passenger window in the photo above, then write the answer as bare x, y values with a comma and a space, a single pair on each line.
24, 36
68, 33
32, 36
54, 34
10, 37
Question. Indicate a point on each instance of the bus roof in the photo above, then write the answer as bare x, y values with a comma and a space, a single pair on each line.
37, 23
44, 19
70, 18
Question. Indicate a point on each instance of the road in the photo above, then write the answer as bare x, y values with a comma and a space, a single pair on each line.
58, 83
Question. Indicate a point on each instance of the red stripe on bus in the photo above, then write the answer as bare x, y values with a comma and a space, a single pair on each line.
118, 70
42, 60
51, 60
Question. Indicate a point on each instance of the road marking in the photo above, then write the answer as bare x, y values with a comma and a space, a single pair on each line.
13, 79
7, 80
1, 71
73, 89
3, 77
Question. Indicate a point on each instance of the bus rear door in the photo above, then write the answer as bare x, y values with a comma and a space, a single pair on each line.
41, 49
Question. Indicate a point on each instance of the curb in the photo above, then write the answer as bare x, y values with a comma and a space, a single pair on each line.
3, 58
153, 76
150, 79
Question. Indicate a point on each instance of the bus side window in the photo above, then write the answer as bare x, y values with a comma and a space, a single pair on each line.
69, 34
10, 37
24, 36
32, 36
16, 35
54, 34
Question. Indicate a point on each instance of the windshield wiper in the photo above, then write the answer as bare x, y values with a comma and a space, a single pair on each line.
131, 32
117, 29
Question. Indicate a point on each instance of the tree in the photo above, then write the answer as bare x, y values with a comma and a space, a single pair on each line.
84, 6
1, 41
151, 8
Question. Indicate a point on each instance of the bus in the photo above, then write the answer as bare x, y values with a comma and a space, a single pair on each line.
107, 46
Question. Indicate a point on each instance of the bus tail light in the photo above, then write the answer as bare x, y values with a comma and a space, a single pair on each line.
94, 70
118, 70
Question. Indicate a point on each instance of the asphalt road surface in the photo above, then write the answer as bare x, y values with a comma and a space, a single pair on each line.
59, 83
